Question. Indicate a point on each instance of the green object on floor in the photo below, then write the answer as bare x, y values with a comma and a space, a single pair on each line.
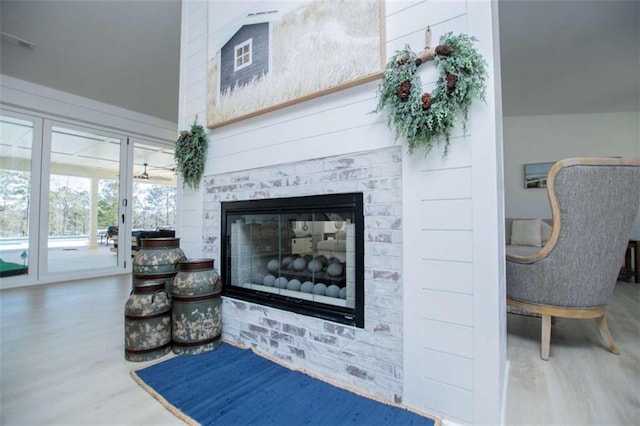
8, 269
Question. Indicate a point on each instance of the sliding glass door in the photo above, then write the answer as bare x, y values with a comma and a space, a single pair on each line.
154, 187
63, 198
19, 166
74, 199
84, 201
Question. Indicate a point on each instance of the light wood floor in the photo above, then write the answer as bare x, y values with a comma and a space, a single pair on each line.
62, 362
582, 383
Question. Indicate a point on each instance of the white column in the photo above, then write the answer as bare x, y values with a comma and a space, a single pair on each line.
93, 222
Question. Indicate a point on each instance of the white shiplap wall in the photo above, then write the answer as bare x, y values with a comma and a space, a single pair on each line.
192, 105
453, 270
452, 279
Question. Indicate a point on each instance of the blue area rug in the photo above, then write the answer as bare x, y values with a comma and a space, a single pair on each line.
232, 386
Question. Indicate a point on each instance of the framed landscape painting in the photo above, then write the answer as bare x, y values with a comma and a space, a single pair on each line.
265, 55
535, 175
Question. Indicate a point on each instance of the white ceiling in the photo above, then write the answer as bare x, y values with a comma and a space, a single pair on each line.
558, 57
83, 154
569, 57
124, 53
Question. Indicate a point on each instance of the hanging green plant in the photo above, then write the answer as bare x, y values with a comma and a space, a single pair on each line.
426, 119
190, 155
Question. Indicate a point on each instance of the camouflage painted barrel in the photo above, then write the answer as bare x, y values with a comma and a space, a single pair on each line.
196, 321
157, 256
147, 321
167, 279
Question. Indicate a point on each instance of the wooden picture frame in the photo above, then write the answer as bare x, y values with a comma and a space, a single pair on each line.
267, 55
535, 175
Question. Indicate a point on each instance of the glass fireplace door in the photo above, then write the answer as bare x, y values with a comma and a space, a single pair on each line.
290, 257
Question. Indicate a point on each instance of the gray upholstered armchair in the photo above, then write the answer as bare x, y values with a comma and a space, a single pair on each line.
593, 203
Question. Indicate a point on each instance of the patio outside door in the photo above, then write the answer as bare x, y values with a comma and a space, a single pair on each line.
85, 202
64, 190
19, 166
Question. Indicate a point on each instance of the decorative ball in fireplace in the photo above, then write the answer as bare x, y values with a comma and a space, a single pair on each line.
320, 289
335, 269
300, 264
333, 291
273, 266
315, 265
257, 278
307, 287
269, 280
281, 282
294, 285
287, 262
343, 293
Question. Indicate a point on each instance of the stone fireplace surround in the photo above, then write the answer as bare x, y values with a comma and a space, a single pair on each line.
368, 359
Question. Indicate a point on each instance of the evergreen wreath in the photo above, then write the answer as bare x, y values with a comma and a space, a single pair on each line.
426, 119
190, 155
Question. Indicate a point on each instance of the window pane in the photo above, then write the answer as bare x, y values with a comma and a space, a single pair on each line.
16, 141
83, 200
154, 206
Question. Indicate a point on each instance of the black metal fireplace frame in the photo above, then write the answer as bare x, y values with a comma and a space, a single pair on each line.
350, 316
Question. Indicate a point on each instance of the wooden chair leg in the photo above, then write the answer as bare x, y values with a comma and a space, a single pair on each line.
545, 341
606, 335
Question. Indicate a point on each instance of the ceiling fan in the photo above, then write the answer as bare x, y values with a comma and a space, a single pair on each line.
144, 174
161, 175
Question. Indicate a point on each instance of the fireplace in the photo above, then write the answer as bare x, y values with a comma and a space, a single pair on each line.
300, 254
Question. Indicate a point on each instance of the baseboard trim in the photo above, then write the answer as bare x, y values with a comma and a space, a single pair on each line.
505, 389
